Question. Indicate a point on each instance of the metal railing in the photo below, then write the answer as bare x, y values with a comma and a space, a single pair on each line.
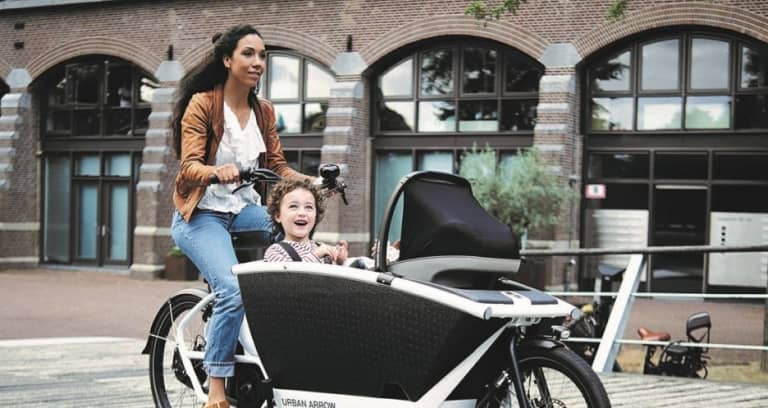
614, 329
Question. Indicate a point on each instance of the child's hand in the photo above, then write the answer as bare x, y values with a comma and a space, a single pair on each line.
323, 250
342, 247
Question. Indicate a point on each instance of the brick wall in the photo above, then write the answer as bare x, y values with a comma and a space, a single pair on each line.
141, 31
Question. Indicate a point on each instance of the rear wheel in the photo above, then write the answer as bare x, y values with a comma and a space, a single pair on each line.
554, 378
171, 384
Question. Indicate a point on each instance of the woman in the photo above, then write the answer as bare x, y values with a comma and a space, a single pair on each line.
219, 125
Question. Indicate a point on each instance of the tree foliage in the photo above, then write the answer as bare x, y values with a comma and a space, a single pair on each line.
485, 12
523, 194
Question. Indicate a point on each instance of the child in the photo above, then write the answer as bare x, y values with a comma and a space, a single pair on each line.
296, 206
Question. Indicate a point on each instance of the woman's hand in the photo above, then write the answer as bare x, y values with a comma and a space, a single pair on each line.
227, 173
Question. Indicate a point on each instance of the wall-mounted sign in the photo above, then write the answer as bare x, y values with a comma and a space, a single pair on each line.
595, 191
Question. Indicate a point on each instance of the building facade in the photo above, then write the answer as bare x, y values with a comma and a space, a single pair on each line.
657, 120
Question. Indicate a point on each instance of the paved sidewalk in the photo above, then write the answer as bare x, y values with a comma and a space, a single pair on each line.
112, 373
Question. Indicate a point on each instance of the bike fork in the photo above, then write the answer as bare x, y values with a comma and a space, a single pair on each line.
517, 381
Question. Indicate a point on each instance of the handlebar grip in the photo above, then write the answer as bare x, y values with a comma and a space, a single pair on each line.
213, 179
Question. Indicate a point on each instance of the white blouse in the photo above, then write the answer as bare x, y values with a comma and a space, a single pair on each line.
241, 147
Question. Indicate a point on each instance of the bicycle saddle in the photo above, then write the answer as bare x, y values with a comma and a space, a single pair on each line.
649, 335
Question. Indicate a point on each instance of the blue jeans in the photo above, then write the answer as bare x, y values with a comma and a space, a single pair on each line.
206, 240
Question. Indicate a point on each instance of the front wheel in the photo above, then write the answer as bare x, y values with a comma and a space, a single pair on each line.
554, 378
171, 384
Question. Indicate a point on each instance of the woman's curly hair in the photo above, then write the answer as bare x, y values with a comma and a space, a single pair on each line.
284, 187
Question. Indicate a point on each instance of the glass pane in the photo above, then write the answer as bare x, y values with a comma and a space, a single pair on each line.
680, 166
390, 168
740, 199
437, 117
86, 82
660, 69
57, 92
290, 116
437, 72
292, 157
751, 112
318, 83
740, 167
88, 228
613, 74
708, 112
310, 161
118, 121
118, 229
141, 121
398, 81
397, 116
518, 115
283, 77
478, 116
618, 165
507, 161
59, 121
119, 83
479, 70
88, 165
624, 197
314, 117
612, 113
520, 75
710, 64
118, 165
87, 123
436, 161
56, 209
754, 67
659, 113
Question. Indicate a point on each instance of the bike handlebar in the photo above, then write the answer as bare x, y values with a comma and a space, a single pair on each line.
329, 173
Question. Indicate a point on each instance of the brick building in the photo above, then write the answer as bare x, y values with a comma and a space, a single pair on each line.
664, 111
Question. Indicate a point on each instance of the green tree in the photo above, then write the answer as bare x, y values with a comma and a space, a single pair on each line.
523, 193
485, 12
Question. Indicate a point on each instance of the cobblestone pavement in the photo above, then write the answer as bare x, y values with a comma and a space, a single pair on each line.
104, 372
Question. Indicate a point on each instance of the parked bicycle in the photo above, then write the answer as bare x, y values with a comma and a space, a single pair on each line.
440, 327
594, 317
675, 359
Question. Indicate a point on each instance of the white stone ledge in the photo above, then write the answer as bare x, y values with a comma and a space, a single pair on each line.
338, 130
155, 168
19, 226
553, 108
156, 149
550, 148
9, 135
551, 128
346, 236
341, 112
154, 116
152, 231
336, 149
557, 84
18, 259
149, 185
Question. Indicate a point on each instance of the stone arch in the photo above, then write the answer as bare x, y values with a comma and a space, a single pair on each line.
702, 14
503, 32
274, 36
93, 45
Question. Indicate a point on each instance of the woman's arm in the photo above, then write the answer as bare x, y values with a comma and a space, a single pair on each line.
194, 137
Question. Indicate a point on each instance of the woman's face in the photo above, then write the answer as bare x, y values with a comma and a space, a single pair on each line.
248, 61
297, 214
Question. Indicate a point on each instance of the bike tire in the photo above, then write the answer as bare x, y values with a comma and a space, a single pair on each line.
170, 384
555, 378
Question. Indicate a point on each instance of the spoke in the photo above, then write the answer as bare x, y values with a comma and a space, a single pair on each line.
541, 383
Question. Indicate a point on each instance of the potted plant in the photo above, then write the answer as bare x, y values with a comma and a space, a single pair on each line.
522, 193
178, 266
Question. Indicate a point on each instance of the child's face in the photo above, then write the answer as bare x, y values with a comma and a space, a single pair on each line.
297, 214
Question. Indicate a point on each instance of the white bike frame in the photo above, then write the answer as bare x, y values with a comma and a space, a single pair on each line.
521, 313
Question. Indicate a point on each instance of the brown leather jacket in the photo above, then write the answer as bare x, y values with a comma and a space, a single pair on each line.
204, 119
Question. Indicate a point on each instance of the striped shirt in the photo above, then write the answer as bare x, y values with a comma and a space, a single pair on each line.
276, 253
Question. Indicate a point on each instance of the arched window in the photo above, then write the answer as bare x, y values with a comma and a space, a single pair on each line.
299, 88
675, 123
96, 97
4, 89
93, 118
436, 100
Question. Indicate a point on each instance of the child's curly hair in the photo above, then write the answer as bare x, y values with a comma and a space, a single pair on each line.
284, 187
